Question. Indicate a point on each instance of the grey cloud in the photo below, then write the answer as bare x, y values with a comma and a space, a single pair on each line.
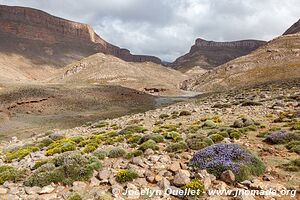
167, 28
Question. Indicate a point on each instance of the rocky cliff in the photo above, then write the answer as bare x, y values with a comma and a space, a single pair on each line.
30, 24
278, 60
209, 54
295, 28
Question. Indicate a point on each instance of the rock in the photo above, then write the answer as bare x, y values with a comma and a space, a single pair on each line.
227, 176
138, 161
205, 177
104, 175
56, 136
238, 123
175, 166
47, 189
134, 192
33, 190
52, 196
3, 190
148, 152
79, 186
163, 184
181, 178
94, 182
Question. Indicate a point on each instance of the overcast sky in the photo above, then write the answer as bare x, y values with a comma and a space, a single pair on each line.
168, 28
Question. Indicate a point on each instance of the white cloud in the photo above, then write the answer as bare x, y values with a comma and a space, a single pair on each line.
167, 28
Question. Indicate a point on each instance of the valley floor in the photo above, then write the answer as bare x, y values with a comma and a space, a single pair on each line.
153, 149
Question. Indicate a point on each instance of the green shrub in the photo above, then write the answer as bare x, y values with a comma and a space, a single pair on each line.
9, 173
296, 126
174, 136
100, 154
74, 196
263, 134
100, 125
177, 147
185, 113
294, 146
132, 129
133, 139
209, 124
197, 142
77, 139
135, 153
64, 168
170, 127
116, 153
216, 138
90, 148
251, 103
149, 144
197, 186
235, 135
293, 165
155, 137
20, 153
60, 146
124, 176
44, 143
40, 163
224, 134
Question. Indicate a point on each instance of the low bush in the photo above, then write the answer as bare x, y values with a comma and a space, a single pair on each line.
197, 186
220, 157
116, 153
20, 153
177, 147
124, 176
9, 173
61, 146
100, 154
149, 144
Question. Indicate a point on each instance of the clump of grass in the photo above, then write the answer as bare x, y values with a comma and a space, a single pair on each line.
124, 176
134, 153
74, 196
209, 124
216, 138
177, 147
293, 146
132, 129
100, 124
251, 103
20, 153
155, 137
174, 136
164, 116
197, 142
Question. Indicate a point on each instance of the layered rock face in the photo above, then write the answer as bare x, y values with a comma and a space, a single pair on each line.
278, 60
28, 24
295, 28
210, 54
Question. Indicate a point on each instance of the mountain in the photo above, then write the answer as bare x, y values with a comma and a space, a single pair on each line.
109, 70
278, 60
34, 43
295, 28
209, 54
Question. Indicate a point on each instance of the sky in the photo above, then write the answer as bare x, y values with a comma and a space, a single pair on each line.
168, 28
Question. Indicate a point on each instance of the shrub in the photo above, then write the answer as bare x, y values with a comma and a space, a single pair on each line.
185, 113
134, 139
9, 173
100, 154
296, 126
135, 153
223, 133
77, 139
220, 157
124, 176
164, 116
244, 122
149, 144
116, 153
74, 196
100, 125
40, 163
20, 153
155, 137
174, 136
132, 129
209, 124
170, 127
235, 135
61, 146
197, 142
279, 137
64, 168
44, 143
263, 134
197, 186
294, 146
220, 105
177, 147
251, 103
293, 165
90, 148
216, 138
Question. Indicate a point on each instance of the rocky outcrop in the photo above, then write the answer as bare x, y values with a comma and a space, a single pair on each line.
295, 28
210, 54
278, 60
31, 24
